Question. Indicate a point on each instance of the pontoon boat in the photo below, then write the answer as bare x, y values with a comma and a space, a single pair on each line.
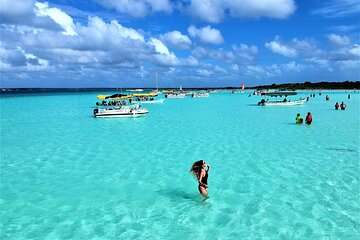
121, 112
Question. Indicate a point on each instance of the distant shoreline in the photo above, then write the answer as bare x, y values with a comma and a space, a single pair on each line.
286, 86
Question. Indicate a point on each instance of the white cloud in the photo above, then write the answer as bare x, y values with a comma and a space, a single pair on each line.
138, 8
114, 31
338, 8
176, 39
339, 40
19, 60
204, 72
277, 47
242, 54
166, 58
206, 34
234, 67
207, 10
260, 8
343, 28
159, 46
9, 12
214, 10
97, 45
60, 17
355, 50
294, 66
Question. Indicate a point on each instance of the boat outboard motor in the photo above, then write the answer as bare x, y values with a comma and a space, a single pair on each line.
96, 111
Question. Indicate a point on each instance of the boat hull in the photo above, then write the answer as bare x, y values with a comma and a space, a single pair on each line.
152, 101
132, 115
119, 113
175, 95
294, 103
202, 95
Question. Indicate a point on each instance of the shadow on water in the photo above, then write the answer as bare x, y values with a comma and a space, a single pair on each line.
341, 149
179, 195
253, 105
288, 123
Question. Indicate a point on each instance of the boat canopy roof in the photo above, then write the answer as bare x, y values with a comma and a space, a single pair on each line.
125, 96
144, 95
276, 94
114, 97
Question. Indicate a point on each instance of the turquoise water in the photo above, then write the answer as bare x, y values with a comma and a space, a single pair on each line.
67, 175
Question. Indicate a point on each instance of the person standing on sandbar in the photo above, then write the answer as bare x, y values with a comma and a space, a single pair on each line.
200, 170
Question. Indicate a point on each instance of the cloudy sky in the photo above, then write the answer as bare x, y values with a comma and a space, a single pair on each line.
193, 43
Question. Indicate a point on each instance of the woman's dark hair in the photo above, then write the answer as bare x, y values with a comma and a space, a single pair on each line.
196, 167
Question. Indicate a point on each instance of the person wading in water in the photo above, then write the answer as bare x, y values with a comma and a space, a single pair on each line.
200, 170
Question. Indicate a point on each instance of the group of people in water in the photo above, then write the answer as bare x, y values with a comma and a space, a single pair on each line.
308, 119
342, 106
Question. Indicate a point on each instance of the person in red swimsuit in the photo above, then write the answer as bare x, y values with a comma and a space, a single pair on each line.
308, 119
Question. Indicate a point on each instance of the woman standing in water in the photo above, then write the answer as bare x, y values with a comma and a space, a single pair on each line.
200, 170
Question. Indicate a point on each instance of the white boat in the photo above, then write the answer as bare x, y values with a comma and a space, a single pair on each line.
121, 112
259, 92
200, 95
213, 90
282, 103
175, 95
135, 90
153, 101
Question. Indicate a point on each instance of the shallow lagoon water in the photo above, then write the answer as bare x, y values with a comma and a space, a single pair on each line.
67, 175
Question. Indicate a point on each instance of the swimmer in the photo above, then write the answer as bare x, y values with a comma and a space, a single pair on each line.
200, 170
342, 106
308, 119
298, 119
336, 106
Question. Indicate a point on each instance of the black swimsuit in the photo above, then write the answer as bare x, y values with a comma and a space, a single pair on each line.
205, 178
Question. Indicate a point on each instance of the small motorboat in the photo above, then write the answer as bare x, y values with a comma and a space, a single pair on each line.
282, 103
237, 91
121, 112
200, 95
175, 95
152, 101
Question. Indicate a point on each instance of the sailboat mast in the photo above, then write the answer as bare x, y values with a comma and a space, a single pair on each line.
157, 87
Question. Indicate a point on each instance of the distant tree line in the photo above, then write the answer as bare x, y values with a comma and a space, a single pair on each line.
309, 85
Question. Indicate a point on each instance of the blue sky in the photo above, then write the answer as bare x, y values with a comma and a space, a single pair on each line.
193, 43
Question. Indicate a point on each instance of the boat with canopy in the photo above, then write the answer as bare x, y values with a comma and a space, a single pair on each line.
282, 102
120, 112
